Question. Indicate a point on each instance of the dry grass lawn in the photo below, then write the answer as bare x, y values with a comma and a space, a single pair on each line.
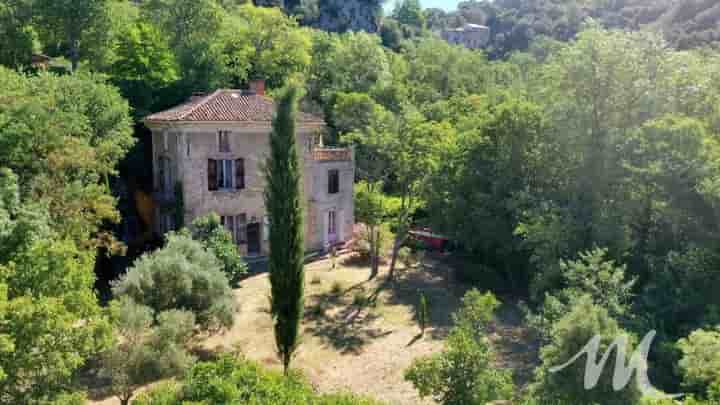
360, 335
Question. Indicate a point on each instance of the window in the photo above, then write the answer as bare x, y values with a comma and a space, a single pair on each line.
236, 226
333, 181
332, 225
164, 174
226, 174
224, 141
241, 229
229, 223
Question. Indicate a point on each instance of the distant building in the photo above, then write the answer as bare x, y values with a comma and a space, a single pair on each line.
472, 36
214, 147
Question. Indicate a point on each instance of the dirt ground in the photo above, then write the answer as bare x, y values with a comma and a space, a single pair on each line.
360, 335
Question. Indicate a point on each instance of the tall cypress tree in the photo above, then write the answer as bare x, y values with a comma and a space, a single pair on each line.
283, 200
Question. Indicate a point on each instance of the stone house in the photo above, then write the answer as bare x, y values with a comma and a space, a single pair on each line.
213, 147
472, 36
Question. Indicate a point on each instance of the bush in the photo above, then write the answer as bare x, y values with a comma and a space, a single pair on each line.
219, 241
463, 373
182, 275
237, 381
145, 350
700, 363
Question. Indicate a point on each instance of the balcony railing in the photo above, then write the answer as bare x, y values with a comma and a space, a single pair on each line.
332, 154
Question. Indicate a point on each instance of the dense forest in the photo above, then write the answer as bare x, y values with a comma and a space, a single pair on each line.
575, 164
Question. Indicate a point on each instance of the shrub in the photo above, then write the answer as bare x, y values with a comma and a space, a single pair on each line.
700, 363
463, 373
145, 352
182, 275
231, 380
219, 241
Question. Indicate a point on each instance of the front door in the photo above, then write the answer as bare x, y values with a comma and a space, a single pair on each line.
332, 227
253, 238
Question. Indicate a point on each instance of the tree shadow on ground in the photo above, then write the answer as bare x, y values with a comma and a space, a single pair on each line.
433, 279
345, 321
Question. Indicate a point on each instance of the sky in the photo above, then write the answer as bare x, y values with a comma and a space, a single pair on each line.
444, 4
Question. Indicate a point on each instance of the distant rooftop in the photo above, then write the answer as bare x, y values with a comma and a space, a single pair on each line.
226, 105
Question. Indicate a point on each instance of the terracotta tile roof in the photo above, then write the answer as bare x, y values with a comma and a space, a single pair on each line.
226, 106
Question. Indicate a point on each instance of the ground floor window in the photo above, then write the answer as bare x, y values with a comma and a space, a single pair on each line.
236, 226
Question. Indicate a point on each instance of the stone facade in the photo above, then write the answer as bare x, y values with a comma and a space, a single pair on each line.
471, 36
183, 153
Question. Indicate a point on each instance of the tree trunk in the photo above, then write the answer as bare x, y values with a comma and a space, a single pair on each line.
374, 252
399, 239
74, 55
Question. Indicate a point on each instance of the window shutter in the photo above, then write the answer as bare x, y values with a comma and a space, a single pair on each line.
240, 174
212, 175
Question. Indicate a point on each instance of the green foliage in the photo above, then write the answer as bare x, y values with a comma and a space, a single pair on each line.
185, 276
46, 290
230, 380
700, 363
17, 36
409, 12
264, 43
569, 335
283, 201
72, 24
463, 372
145, 65
63, 136
210, 232
592, 275
146, 350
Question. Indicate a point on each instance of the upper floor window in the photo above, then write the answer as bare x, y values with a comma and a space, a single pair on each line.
333, 181
224, 141
226, 174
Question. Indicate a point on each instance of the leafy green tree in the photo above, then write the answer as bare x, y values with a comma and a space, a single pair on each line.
462, 373
145, 65
219, 241
73, 24
409, 12
283, 199
370, 210
268, 44
592, 275
195, 33
64, 136
144, 352
183, 275
17, 36
46, 286
569, 335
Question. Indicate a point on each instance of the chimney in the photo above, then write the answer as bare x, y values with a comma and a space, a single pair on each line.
257, 86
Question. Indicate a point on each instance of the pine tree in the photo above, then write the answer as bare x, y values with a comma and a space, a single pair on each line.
283, 199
